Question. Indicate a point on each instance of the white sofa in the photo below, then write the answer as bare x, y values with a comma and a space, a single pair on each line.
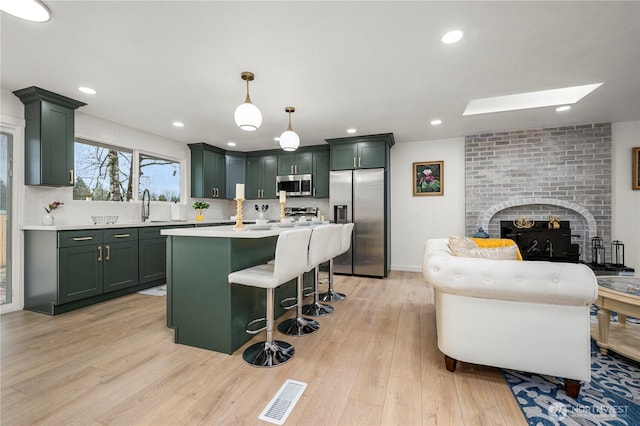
519, 315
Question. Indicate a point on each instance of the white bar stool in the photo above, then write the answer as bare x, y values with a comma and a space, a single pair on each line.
330, 295
290, 262
323, 242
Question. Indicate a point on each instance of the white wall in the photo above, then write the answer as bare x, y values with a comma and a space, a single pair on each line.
625, 221
414, 219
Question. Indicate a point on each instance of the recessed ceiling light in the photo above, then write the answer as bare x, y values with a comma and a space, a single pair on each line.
436, 122
29, 10
351, 130
178, 124
231, 144
563, 108
87, 90
452, 37
543, 98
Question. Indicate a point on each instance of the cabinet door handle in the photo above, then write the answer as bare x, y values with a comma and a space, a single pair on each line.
295, 168
83, 239
359, 158
99, 253
292, 169
314, 192
213, 193
121, 235
354, 162
108, 252
71, 179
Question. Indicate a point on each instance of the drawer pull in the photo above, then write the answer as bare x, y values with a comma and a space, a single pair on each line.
82, 238
108, 253
99, 253
121, 235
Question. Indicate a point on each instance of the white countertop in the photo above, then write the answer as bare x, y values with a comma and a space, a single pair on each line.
249, 231
124, 225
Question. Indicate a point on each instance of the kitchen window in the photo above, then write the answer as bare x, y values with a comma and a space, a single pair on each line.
161, 176
102, 172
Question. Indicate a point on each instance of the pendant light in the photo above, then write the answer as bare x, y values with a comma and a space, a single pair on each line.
248, 116
29, 10
289, 140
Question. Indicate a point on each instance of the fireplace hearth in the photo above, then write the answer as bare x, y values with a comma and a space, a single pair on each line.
541, 241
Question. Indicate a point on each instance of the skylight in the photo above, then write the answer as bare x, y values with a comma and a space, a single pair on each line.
543, 98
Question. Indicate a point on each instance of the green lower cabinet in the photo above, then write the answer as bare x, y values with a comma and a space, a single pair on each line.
153, 260
80, 272
120, 265
67, 270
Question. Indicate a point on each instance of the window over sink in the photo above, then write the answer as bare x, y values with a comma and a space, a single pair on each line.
103, 172
109, 173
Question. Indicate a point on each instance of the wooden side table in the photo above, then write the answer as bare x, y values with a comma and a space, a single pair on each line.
621, 295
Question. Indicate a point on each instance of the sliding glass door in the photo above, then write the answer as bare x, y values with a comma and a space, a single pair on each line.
6, 142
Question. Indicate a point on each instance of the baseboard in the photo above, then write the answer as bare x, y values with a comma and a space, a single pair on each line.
406, 268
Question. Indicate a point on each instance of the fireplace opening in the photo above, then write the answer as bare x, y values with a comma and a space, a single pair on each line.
550, 241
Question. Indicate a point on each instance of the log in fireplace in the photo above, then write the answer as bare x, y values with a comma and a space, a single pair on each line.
540, 242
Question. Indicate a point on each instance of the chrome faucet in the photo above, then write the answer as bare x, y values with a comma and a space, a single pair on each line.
145, 206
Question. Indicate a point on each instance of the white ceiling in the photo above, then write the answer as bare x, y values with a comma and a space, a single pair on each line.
376, 66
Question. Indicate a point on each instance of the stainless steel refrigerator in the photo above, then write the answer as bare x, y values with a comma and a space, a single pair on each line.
358, 196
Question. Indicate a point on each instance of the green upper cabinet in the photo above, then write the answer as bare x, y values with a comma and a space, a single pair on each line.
236, 165
360, 152
261, 177
49, 137
298, 163
208, 171
321, 174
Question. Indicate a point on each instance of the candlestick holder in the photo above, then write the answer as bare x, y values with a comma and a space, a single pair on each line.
239, 226
282, 211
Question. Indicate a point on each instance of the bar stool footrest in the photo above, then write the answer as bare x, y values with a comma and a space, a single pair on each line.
283, 303
255, 321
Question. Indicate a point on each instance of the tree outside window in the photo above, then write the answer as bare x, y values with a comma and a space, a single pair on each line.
161, 177
102, 172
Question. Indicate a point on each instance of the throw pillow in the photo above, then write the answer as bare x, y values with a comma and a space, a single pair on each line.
458, 244
496, 253
496, 242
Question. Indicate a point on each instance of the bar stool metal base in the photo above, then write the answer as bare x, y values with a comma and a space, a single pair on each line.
332, 296
317, 309
268, 354
298, 326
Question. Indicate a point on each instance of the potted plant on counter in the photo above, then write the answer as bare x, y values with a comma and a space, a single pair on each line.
200, 206
47, 219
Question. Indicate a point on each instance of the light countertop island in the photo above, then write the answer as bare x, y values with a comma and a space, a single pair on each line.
204, 310
90, 225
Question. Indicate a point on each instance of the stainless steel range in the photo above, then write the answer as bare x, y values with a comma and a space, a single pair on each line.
297, 212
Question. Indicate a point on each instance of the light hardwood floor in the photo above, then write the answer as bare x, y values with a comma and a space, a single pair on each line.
374, 361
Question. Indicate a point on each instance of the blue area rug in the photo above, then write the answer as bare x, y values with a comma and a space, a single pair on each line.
611, 398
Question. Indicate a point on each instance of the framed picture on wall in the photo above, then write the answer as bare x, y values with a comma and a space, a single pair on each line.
636, 168
428, 178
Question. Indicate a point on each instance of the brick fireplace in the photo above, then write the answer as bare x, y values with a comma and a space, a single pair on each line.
564, 172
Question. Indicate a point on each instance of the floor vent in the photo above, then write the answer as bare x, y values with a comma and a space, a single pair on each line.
283, 402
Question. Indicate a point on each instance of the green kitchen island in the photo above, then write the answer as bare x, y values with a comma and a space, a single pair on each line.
204, 310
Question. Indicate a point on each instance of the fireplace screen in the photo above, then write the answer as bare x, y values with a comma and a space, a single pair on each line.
540, 241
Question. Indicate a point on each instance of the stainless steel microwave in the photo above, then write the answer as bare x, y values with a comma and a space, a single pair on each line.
295, 185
